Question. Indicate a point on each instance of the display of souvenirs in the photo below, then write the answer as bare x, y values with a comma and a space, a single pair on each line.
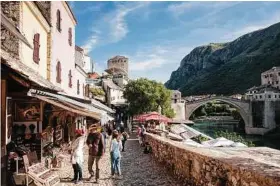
27, 111
37, 169
45, 176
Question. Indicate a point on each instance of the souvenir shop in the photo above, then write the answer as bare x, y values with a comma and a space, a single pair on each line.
33, 123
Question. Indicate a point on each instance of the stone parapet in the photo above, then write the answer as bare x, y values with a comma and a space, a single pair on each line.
256, 166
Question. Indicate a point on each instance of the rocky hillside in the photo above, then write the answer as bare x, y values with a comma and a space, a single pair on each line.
228, 68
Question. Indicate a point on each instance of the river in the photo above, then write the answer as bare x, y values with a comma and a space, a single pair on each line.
209, 128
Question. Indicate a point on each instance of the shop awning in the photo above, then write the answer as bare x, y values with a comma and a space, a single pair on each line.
68, 107
26, 72
68, 104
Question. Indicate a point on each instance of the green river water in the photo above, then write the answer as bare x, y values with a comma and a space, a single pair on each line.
209, 128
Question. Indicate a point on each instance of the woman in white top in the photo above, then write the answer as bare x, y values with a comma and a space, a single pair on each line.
77, 157
115, 151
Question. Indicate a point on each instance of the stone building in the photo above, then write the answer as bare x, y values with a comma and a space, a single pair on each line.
176, 96
118, 65
271, 77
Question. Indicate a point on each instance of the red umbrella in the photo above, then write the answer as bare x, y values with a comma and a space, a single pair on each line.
152, 116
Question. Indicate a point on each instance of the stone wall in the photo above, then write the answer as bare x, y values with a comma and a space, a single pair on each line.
256, 166
9, 42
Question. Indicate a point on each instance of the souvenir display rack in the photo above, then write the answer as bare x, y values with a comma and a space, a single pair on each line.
43, 176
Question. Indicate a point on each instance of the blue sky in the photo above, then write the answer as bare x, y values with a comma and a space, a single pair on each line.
155, 36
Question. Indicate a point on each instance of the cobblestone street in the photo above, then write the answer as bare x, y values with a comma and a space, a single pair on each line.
137, 169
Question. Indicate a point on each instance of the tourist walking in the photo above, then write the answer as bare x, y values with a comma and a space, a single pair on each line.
115, 148
96, 150
125, 136
77, 157
104, 135
139, 134
142, 135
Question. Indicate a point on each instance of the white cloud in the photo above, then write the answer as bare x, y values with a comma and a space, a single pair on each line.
90, 44
179, 8
112, 27
95, 8
155, 57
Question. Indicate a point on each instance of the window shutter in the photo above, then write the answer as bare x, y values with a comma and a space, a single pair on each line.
58, 21
70, 79
87, 91
58, 72
36, 49
70, 36
78, 87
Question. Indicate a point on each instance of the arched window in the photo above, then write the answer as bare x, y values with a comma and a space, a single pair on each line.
58, 20
58, 72
70, 79
78, 87
36, 50
70, 36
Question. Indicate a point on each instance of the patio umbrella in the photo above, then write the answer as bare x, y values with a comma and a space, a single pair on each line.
190, 142
218, 142
238, 144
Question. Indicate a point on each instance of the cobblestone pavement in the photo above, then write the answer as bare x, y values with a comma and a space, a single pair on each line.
138, 169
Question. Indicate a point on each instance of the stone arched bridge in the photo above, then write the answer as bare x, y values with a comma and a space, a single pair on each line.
243, 106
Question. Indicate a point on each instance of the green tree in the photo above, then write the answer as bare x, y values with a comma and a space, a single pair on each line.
145, 95
97, 91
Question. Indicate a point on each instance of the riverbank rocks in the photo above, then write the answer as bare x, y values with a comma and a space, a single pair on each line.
220, 166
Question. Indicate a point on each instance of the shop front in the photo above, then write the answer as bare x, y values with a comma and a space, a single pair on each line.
34, 120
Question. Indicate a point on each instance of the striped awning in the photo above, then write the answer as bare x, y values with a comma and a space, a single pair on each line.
68, 104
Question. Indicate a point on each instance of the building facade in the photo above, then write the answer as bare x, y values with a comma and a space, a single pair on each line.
35, 28
62, 65
80, 74
271, 77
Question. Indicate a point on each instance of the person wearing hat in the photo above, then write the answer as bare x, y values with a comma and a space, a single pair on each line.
77, 156
96, 146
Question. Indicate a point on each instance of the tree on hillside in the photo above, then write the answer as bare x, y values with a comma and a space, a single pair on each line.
145, 95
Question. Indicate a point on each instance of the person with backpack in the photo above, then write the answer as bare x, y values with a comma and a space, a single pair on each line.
115, 152
125, 136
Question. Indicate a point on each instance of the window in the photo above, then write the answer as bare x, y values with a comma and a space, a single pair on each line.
58, 20
70, 36
70, 79
275, 96
87, 91
270, 75
268, 82
269, 96
58, 72
83, 90
256, 97
36, 50
78, 87
277, 82
278, 73
260, 96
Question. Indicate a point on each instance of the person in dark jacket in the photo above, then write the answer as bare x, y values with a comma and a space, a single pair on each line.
95, 143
